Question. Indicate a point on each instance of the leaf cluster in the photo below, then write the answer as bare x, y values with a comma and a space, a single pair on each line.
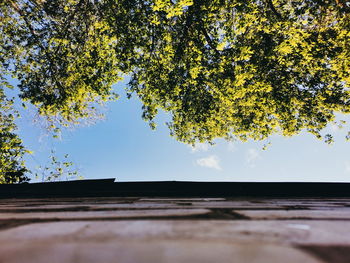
12, 151
222, 68
57, 169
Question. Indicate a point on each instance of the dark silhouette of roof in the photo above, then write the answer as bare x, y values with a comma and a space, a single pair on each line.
108, 187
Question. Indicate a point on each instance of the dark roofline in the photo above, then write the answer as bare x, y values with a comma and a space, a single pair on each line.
107, 187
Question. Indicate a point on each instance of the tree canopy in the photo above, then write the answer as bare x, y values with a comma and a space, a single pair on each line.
222, 68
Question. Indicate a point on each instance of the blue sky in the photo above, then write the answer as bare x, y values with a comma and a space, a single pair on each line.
122, 146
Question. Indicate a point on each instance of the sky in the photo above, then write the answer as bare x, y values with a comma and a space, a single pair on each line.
123, 146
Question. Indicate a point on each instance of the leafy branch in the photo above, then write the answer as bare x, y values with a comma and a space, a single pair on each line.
57, 170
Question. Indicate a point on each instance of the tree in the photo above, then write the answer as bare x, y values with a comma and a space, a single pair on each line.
12, 168
222, 68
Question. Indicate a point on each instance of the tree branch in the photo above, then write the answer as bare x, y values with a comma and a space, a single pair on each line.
185, 34
273, 9
208, 39
19, 11
34, 33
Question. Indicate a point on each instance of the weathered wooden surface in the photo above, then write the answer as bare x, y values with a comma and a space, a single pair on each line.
152, 230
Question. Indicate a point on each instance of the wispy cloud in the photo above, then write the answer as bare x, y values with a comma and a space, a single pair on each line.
252, 155
200, 147
347, 167
211, 161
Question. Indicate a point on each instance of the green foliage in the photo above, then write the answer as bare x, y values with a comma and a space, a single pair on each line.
222, 68
12, 168
57, 170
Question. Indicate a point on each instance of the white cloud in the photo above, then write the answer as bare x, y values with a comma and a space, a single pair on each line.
347, 167
200, 147
211, 161
252, 155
